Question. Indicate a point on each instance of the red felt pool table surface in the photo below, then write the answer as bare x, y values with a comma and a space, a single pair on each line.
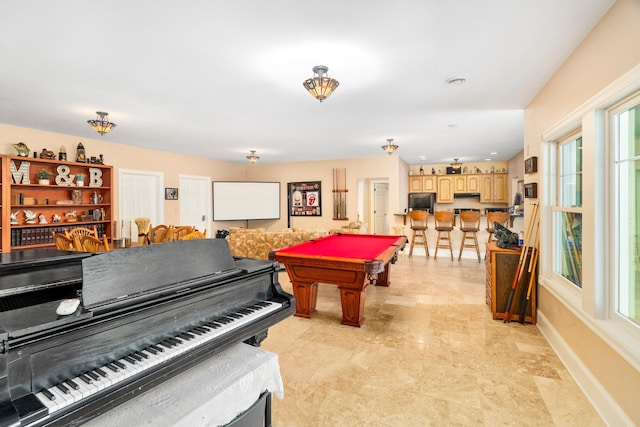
350, 261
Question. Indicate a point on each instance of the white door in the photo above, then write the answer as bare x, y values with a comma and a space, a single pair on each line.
380, 207
195, 202
141, 195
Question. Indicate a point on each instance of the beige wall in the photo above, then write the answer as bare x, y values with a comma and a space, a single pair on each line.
609, 51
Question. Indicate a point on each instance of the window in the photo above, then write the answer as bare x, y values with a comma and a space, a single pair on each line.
567, 216
627, 221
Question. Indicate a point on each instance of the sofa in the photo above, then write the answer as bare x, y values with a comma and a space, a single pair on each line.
257, 242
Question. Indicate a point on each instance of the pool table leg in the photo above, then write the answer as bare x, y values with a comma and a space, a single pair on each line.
383, 278
306, 295
352, 306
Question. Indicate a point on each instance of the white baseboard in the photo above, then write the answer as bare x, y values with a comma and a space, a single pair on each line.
601, 400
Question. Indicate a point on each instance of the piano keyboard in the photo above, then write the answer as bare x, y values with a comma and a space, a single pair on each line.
89, 383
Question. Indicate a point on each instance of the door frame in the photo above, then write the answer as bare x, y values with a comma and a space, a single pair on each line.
159, 178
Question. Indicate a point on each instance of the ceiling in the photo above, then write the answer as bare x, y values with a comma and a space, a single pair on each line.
216, 79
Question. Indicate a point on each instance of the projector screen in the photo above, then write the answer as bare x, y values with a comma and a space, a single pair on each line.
245, 200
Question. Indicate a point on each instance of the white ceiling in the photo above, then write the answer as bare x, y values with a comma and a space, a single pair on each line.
219, 78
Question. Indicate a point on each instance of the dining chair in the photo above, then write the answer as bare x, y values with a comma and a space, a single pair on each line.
177, 233
501, 218
159, 234
94, 244
78, 232
64, 243
195, 234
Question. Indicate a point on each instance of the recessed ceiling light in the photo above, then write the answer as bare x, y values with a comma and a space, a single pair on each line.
423, 158
494, 153
456, 80
487, 160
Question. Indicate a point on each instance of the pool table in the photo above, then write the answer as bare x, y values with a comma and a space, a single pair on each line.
351, 261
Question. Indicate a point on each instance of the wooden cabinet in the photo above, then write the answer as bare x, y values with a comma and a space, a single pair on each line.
493, 188
466, 184
4, 208
38, 209
501, 265
445, 189
422, 184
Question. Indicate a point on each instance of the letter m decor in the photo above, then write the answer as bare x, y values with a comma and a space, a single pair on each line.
20, 175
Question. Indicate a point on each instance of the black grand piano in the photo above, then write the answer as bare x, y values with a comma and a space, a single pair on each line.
146, 314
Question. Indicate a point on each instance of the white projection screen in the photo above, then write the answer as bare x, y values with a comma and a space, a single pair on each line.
245, 200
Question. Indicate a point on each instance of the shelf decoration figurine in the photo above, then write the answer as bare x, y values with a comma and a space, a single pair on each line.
62, 154
43, 177
80, 179
14, 218
31, 216
56, 218
42, 219
81, 156
64, 177
22, 149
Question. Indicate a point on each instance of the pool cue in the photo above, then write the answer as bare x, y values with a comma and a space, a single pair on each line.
523, 252
532, 277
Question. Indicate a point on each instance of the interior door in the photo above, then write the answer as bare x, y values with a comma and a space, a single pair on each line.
380, 208
195, 201
141, 195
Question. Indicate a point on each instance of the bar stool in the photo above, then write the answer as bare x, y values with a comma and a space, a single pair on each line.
501, 218
469, 225
444, 226
419, 226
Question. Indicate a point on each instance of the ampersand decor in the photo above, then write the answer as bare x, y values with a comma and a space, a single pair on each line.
64, 178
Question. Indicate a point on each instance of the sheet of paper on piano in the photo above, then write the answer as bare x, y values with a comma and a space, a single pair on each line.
209, 394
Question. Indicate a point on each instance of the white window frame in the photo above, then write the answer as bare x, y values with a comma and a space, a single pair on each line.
594, 303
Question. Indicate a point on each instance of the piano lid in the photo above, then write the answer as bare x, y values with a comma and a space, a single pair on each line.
126, 276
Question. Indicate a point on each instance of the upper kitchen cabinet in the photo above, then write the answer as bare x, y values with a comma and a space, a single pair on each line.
445, 189
493, 188
466, 184
422, 184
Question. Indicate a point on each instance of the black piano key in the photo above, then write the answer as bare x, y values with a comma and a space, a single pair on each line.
112, 367
119, 364
93, 375
87, 379
244, 311
62, 388
174, 340
49, 395
235, 315
130, 359
136, 356
213, 325
152, 350
143, 355
196, 331
101, 373
72, 384
185, 336
223, 320
166, 344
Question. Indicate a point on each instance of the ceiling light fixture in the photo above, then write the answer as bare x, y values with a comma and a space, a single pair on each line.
456, 164
101, 124
252, 157
320, 85
389, 147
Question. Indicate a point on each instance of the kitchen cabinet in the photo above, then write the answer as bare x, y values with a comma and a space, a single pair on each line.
445, 189
466, 184
493, 188
31, 211
422, 184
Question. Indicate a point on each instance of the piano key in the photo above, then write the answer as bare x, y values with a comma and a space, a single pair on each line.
62, 388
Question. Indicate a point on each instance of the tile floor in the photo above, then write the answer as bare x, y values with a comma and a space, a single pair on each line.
428, 354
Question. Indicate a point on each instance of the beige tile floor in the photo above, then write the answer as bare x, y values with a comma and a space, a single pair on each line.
428, 354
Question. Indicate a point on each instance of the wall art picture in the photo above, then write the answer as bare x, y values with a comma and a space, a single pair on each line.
305, 198
171, 194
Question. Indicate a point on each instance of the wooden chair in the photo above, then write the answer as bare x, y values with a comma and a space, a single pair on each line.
64, 243
78, 232
418, 220
501, 218
159, 234
94, 244
469, 225
195, 234
177, 233
444, 225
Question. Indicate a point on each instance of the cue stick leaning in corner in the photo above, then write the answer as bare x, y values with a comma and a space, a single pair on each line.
532, 279
523, 252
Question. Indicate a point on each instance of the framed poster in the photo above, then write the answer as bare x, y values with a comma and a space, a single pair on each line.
304, 198
531, 165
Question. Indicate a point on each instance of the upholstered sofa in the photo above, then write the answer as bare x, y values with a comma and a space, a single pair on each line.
257, 243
